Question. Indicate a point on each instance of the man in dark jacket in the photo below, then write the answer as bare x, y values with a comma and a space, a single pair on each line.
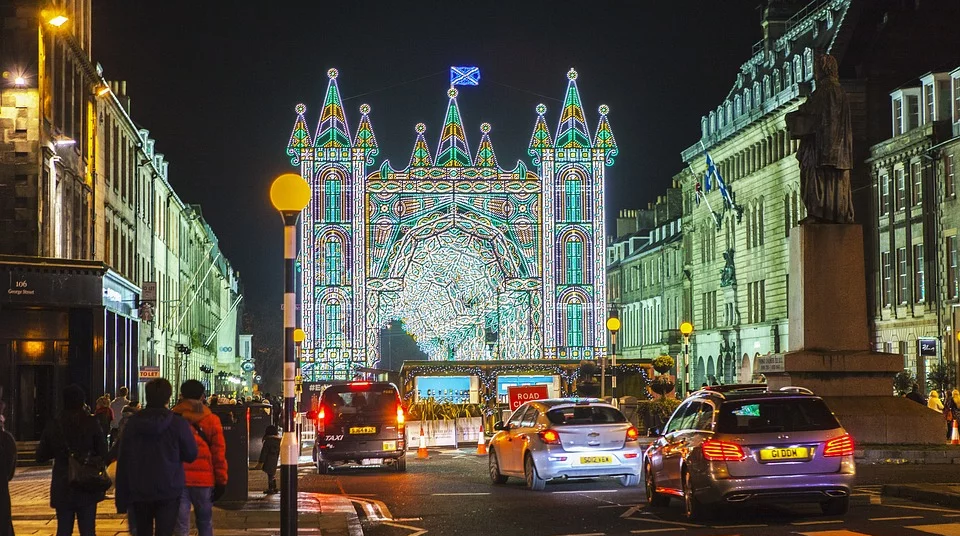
8, 465
150, 479
916, 396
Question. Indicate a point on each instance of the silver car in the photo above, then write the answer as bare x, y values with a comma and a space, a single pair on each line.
734, 444
565, 438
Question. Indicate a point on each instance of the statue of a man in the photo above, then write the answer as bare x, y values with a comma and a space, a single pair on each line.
822, 124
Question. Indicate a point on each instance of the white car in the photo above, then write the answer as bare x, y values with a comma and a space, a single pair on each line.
565, 438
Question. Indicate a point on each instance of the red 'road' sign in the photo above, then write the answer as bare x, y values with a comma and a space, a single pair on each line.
518, 394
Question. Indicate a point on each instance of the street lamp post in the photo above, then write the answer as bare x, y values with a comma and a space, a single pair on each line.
686, 329
289, 194
613, 325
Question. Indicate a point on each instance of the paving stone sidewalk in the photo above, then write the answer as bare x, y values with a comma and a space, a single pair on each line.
319, 514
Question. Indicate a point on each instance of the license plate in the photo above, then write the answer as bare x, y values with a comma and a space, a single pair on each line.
363, 429
371, 461
389, 445
595, 459
793, 453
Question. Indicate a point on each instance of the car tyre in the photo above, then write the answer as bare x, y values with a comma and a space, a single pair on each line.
630, 481
401, 464
323, 467
694, 509
837, 506
653, 498
534, 481
494, 465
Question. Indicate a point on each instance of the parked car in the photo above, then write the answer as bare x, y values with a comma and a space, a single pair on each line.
359, 423
565, 438
733, 444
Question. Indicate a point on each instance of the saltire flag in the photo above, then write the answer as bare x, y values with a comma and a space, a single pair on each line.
713, 172
464, 76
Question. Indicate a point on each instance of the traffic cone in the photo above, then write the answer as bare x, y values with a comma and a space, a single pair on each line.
422, 448
955, 437
481, 442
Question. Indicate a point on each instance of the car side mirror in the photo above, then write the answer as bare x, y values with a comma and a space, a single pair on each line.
500, 426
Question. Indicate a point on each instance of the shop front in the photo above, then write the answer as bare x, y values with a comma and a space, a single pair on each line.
62, 322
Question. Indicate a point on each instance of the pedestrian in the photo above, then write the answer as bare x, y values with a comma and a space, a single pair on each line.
8, 465
128, 411
117, 407
951, 411
103, 413
934, 402
153, 448
76, 431
915, 395
270, 457
206, 477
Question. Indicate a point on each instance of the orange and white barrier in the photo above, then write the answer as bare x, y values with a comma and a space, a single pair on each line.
481, 442
422, 448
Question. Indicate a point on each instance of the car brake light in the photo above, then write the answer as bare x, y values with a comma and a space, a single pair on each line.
359, 386
322, 415
550, 437
401, 418
839, 446
632, 434
722, 451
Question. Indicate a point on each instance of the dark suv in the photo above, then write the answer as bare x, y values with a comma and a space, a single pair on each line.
359, 423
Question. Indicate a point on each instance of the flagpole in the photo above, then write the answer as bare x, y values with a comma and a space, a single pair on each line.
716, 216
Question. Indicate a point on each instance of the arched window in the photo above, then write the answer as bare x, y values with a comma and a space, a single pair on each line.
572, 187
332, 197
798, 68
767, 88
757, 94
787, 78
737, 106
776, 81
574, 260
747, 101
333, 260
760, 222
787, 218
575, 324
332, 330
808, 63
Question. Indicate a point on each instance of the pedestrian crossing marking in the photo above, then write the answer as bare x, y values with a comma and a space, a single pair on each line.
821, 522
652, 531
893, 518
833, 533
949, 529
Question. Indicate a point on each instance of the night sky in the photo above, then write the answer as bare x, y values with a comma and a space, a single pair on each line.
216, 84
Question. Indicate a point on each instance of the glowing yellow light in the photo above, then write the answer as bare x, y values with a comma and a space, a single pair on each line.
613, 324
19, 81
686, 328
33, 349
103, 90
58, 21
289, 193
299, 335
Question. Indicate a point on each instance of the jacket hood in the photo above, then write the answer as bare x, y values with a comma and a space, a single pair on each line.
150, 421
192, 410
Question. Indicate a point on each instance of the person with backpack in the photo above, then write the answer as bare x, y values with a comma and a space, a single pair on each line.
153, 448
75, 433
206, 477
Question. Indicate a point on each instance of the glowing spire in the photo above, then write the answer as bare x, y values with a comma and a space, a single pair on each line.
332, 130
365, 137
541, 134
453, 150
421, 151
300, 137
572, 132
485, 155
604, 138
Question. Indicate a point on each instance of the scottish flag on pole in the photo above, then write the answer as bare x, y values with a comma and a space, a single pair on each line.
464, 76
714, 173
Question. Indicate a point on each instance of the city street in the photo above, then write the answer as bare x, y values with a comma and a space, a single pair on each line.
450, 494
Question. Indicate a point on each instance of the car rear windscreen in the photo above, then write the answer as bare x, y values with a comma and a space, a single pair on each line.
585, 415
346, 403
775, 415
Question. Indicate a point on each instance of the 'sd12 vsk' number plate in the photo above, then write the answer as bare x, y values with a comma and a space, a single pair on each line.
792, 453
363, 429
595, 459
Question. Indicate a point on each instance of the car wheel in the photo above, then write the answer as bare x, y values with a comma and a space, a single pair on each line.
494, 464
837, 506
653, 498
630, 481
534, 481
694, 509
401, 464
323, 467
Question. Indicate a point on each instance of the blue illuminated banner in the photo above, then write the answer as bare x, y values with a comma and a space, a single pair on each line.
464, 76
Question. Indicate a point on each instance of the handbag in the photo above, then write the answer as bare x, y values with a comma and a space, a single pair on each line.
86, 472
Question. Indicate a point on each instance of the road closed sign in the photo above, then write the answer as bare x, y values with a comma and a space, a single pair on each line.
519, 394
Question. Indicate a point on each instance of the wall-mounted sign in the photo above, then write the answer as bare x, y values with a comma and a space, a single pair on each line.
519, 394
148, 373
928, 347
770, 363
247, 366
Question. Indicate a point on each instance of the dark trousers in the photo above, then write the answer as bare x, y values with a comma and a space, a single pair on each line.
6, 517
159, 514
86, 517
271, 479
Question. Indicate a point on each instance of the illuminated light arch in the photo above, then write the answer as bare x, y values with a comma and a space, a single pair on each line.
452, 245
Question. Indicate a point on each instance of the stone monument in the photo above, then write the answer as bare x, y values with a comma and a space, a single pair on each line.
829, 338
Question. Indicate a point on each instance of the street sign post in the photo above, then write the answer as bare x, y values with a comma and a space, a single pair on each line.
518, 394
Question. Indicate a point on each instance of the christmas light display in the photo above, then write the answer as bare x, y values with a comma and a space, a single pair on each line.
476, 262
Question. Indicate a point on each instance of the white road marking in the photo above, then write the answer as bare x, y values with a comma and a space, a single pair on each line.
951, 529
832, 533
951, 510
418, 530
893, 518
651, 531
587, 491
587, 534
736, 526
824, 522
679, 524
459, 494
630, 511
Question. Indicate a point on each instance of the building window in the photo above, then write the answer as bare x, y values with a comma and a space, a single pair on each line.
916, 178
956, 99
900, 182
897, 117
884, 194
948, 175
902, 275
574, 324
913, 112
919, 283
574, 261
885, 279
572, 193
928, 104
334, 261
333, 324
808, 63
953, 290
332, 194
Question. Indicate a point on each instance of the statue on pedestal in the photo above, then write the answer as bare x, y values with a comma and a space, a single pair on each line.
822, 124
